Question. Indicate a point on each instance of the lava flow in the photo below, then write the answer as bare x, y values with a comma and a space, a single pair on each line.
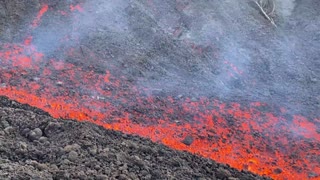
247, 137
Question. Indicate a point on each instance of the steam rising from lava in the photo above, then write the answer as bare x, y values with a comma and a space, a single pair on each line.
187, 48
170, 69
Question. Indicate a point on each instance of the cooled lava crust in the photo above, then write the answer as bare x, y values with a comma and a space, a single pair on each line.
209, 77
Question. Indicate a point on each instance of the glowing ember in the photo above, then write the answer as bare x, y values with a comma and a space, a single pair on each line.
242, 136
76, 8
42, 11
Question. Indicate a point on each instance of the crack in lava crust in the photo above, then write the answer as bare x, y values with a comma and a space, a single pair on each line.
245, 137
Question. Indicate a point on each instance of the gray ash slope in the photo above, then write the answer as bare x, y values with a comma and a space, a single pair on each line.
221, 49
33, 145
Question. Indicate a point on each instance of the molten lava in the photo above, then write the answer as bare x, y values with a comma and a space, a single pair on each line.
246, 137
37, 20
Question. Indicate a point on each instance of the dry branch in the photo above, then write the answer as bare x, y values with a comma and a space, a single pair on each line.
265, 14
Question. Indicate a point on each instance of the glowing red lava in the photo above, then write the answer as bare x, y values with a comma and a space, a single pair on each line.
244, 137
76, 7
37, 20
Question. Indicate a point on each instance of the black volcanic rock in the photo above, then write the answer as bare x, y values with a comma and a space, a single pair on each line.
81, 150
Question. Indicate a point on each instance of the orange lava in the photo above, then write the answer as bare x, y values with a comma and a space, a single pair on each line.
42, 11
76, 8
244, 137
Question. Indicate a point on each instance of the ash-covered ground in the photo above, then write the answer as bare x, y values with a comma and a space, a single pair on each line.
33, 145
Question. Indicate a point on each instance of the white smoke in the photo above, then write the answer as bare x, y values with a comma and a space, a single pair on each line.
285, 7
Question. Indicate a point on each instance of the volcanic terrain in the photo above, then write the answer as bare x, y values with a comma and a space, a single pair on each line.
36, 146
214, 78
